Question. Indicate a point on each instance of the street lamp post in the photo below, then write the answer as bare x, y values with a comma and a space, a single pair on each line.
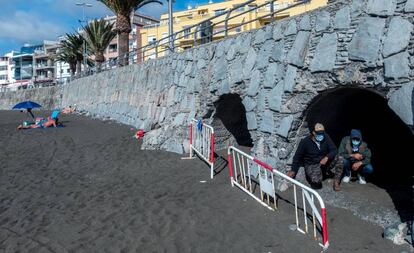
170, 24
84, 21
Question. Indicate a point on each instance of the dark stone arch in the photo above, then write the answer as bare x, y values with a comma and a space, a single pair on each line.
232, 113
388, 137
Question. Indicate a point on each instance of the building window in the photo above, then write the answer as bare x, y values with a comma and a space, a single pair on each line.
3, 77
152, 39
68, 71
113, 48
239, 9
203, 12
187, 32
219, 11
3, 68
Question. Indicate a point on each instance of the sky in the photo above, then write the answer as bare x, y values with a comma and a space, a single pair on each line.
32, 21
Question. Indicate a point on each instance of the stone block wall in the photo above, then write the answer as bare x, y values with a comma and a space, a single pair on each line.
49, 97
277, 71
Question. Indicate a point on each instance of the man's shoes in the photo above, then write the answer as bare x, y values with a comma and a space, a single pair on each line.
346, 179
316, 186
336, 186
361, 179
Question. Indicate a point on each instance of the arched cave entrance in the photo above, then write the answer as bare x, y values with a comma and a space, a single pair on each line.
389, 138
232, 113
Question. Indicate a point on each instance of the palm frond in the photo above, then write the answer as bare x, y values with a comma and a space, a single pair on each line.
98, 34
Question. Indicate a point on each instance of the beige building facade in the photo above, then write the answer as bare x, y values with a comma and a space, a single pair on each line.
240, 20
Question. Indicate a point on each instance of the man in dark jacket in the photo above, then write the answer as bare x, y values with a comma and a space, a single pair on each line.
356, 156
318, 154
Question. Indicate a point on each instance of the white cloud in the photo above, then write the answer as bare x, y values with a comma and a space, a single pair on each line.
154, 9
24, 26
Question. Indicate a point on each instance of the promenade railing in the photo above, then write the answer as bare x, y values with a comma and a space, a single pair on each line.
211, 29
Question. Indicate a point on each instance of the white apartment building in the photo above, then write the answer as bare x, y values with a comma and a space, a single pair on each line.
4, 70
7, 69
10, 70
62, 72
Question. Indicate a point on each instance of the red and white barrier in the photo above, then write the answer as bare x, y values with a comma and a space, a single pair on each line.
244, 167
202, 143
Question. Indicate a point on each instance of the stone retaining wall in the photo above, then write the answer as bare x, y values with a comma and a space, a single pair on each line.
277, 71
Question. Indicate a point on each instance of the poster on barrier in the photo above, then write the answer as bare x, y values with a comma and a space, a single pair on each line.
266, 182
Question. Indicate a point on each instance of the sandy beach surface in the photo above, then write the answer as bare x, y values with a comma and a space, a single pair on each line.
87, 187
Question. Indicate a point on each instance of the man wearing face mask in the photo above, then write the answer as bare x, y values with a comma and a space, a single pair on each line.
318, 155
356, 156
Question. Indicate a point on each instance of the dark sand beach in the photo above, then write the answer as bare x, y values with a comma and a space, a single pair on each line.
87, 187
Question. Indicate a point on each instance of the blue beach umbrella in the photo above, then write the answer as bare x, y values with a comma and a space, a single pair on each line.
28, 105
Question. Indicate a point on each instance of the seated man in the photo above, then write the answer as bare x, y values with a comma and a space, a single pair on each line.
39, 123
318, 154
356, 156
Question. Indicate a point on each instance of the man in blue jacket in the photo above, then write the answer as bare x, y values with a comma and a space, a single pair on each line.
318, 155
356, 156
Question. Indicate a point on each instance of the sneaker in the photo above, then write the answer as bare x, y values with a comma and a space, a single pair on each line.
346, 179
361, 179
336, 186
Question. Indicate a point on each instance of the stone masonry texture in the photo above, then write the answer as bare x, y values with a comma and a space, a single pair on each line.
277, 71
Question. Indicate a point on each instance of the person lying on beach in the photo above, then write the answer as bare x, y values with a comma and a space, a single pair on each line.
68, 110
38, 124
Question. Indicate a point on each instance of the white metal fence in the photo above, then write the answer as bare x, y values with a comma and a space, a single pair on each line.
246, 170
202, 142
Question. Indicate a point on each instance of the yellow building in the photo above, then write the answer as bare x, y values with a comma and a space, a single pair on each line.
238, 21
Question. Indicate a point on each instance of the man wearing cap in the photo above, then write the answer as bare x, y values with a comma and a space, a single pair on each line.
356, 156
318, 154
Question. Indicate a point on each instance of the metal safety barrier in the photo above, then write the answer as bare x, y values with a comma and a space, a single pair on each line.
246, 170
202, 142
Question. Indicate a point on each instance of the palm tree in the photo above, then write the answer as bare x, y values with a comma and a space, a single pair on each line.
123, 9
70, 52
98, 34
75, 43
65, 55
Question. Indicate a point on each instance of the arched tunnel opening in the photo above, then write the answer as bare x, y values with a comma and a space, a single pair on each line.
232, 113
389, 138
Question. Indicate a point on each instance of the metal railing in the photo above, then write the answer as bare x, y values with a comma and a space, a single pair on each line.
211, 29
214, 28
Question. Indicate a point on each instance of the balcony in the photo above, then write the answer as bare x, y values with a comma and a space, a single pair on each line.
43, 79
44, 66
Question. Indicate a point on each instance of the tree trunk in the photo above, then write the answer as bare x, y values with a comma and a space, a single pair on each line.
123, 28
72, 67
78, 68
99, 59
123, 43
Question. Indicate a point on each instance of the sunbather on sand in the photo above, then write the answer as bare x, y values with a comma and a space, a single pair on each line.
39, 123
69, 109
